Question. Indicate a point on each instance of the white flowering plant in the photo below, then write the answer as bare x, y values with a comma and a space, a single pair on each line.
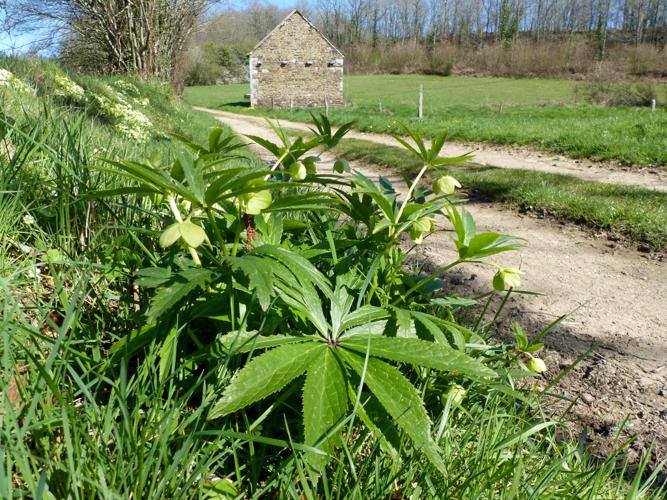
65, 87
129, 121
9, 81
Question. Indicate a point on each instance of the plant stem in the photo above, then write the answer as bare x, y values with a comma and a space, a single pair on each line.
426, 280
216, 231
410, 191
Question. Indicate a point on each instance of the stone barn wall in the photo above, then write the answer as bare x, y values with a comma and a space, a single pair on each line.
295, 66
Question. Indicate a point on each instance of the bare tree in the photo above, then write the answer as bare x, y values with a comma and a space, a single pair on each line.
145, 37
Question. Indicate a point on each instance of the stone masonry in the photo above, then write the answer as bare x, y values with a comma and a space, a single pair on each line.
295, 66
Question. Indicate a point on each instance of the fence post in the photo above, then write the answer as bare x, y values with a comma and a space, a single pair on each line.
291, 103
326, 105
653, 105
273, 102
421, 102
380, 106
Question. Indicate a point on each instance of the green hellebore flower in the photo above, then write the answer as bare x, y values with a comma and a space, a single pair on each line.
420, 227
536, 365
341, 166
446, 185
192, 234
254, 202
506, 278
297, 171
457, 393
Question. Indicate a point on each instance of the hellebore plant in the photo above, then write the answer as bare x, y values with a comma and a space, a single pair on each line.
307, 267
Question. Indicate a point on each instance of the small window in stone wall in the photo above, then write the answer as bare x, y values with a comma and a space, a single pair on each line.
309, 64
284, 63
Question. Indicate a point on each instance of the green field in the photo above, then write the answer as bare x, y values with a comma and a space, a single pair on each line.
542, 113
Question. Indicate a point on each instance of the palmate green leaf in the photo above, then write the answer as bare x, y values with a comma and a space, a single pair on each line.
266, 144
438, 162
181, 284
400, 399
152, 277
464, 225
373, 415
240, 342
404, 325
419, 352
266, 374
298, 265
192, 171
385, 202
364, 315
486, 244
429, 323
260, 276
325, 404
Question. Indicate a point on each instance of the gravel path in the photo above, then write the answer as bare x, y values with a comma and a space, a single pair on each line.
510, 157
617, 296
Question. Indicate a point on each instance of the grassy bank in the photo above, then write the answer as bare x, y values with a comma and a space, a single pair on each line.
637, 214
541, 113
115, 342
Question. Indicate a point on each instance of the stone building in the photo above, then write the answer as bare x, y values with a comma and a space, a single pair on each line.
296, 66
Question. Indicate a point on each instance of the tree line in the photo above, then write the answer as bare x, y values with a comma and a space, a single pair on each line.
353, 21
205, 41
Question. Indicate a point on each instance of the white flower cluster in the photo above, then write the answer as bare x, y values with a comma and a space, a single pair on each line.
127, 120
67, 88
7, 79
126, 87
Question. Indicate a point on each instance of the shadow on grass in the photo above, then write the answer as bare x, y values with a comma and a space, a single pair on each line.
236, 104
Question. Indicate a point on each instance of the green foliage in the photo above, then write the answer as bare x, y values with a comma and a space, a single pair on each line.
635, 213
273, 345
330, 330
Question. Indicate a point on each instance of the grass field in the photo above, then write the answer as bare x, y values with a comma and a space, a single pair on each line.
541, 113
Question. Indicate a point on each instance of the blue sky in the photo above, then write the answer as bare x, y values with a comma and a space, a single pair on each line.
20, 43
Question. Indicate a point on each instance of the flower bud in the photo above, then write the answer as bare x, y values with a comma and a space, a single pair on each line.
254, 202
341, 166
421, 227
446, 185
297, 171
506, 278
536, 365
456, 394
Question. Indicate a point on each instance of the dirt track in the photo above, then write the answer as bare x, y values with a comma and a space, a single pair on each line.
619, 299
511, 157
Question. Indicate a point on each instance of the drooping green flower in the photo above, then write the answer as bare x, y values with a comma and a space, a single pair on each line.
420, 228
192, 234
341, 166
506, 278
297, 171
457, 393
446, 185
536, 365
254, 202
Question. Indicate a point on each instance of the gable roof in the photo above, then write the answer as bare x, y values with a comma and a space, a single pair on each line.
282, 23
